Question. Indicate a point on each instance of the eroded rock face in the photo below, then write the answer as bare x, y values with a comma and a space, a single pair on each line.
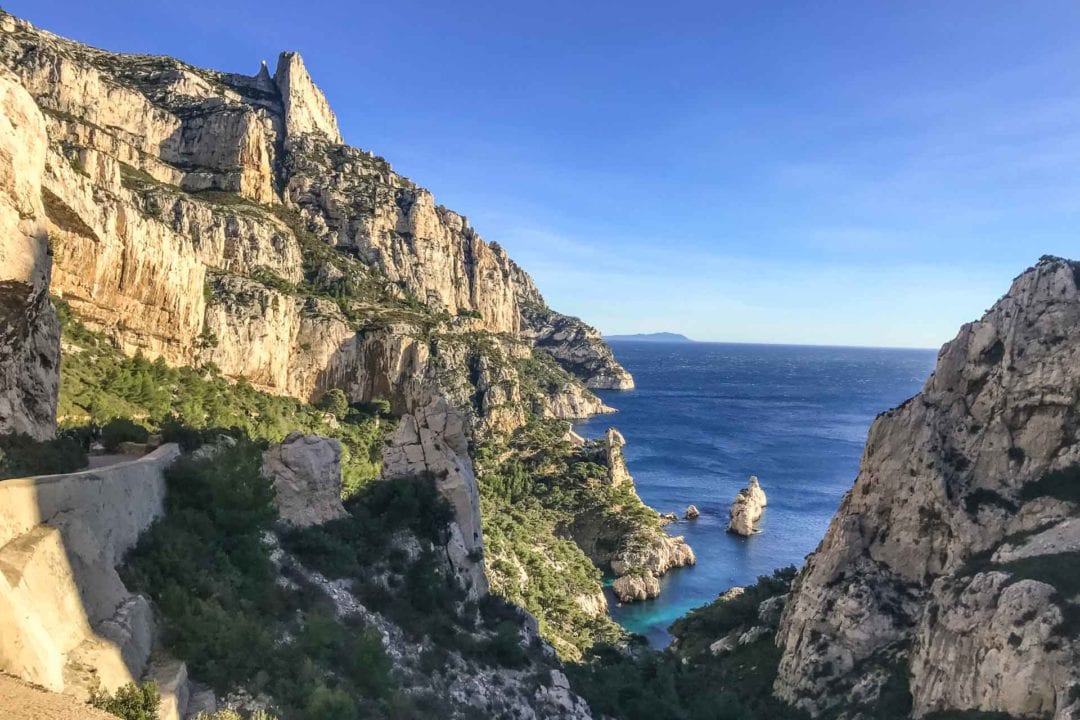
637, 554
1007, 638
630, 588
433, 439
747, 509
916, 570
306, 470
658, 555
306, 108
618, 474
165, 182
575, 345
29, 331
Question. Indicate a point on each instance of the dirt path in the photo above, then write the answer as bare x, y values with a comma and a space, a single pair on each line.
21, 701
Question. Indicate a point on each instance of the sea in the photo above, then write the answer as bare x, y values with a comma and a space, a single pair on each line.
704, 417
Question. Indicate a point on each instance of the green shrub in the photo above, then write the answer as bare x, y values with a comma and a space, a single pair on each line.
506, 647
23, 456
230, 714
330, 704
334, 402
641, 684
131, 702
121, 430
206, 567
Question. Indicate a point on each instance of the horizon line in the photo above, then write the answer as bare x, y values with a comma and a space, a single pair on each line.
629, 337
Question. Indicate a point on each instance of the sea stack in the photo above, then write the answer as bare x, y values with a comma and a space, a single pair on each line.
747, 508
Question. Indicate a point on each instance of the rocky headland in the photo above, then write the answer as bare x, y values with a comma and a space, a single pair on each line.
952, 561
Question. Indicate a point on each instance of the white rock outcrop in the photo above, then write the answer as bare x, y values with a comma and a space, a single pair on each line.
149, 248
434, 440
306, 108
306, 470
631, 588
67, 623
747, 509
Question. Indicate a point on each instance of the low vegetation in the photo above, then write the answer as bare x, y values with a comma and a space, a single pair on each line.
535, 488
207, 566
23, 456
130, 702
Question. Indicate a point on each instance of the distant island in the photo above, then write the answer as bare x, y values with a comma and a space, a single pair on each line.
657, 337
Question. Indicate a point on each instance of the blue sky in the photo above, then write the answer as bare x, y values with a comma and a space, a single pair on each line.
830, 172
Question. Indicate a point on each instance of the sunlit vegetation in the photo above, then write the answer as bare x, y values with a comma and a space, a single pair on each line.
129, 396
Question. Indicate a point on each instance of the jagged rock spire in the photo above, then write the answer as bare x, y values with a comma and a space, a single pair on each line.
306, 108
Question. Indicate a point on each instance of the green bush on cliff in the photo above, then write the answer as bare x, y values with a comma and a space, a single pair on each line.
23, 456
700, 627
536, 489
121, 430
130, 702
206, 565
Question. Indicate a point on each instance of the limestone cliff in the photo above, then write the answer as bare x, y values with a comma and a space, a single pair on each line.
218, 220
213, 217
951, 564
29, 332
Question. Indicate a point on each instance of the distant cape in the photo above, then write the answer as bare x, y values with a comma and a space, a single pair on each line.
657, 337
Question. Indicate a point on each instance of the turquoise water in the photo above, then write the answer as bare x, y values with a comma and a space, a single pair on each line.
706, 416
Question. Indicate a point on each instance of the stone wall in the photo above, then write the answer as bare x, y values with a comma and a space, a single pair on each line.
67, 623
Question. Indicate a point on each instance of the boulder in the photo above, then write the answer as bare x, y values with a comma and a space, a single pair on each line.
692, 513
306, 470
630, 588
747, 509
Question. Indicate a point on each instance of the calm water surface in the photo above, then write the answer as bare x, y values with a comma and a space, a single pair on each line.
706, 416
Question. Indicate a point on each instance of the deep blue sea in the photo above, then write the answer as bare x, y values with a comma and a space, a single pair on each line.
706, 416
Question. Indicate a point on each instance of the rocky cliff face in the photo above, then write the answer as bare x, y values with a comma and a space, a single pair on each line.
211, 217
951, 564
215, 219
29, 331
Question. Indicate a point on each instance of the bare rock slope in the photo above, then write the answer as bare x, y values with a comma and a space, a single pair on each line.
951, 566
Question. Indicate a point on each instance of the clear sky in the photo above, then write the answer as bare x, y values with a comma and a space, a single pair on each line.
828, 172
